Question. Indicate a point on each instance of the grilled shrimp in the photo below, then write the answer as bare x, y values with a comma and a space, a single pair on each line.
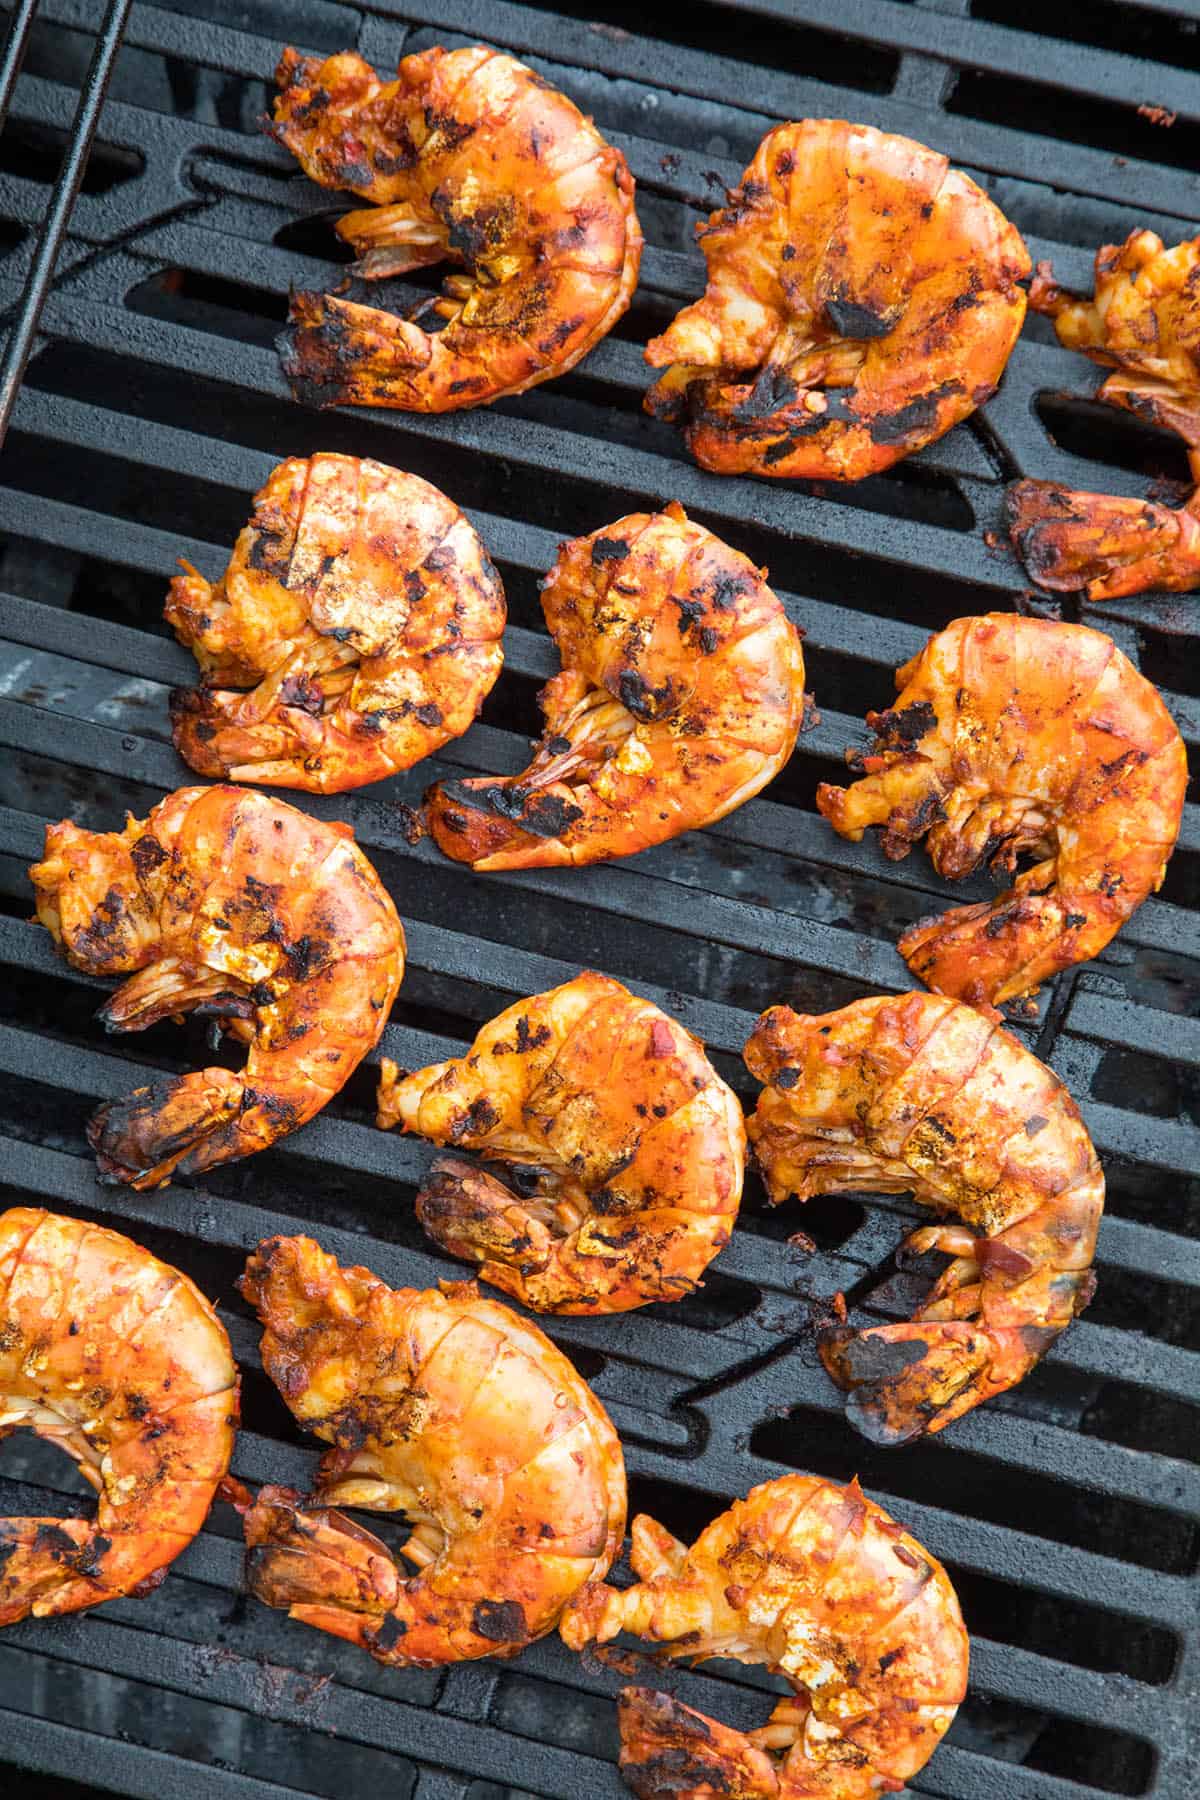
225, 903
681, 695
1014, 735
468, 157
622, 1148
362, 613
121, 1361
451, 1409
862, 298
923, 1095
1144, 323
818, 1584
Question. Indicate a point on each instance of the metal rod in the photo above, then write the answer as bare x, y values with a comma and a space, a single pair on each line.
54, 225
14, 52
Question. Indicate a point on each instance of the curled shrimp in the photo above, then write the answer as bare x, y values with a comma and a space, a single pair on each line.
446, 1407
229, 904
1144, 323
362, 613
468, 156
862, 298
121, 1361
818, 1584
1008, 736
923, 1095
681, 695
622, 1148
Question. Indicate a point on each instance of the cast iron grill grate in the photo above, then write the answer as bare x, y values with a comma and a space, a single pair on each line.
153, 406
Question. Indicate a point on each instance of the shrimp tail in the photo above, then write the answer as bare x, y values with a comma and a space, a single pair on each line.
474, 1216
1000, 950
316, 1559
39, 1557
498, 823
1107, 545
177, 1127
208, 735
668, 1749
336, 351
906, 1381
329, 1572
288, 745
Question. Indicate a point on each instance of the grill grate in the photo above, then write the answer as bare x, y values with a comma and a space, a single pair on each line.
152, 407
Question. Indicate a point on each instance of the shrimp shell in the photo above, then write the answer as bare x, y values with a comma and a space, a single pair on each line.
681, 695
447, 1407
1014, 735
228, 903
624, 1147
818, 1584
862, 298
1144, 323
363, 613
120, 1360
469, 157
924, 1095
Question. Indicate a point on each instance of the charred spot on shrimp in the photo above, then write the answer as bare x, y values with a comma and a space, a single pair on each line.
855, 1359
854, 319
541, 814
501, 1621
388, 1634
900, 727
608, 549
641, 699
915, 419
147, 854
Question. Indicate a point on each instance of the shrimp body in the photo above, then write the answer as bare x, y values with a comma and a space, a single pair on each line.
451, 1409
818, 1584
923, 1095
862, 298
468, 156
1144, 324
363, 615
680, 697
1014, 735
228, 903
624, 1150
121, 1361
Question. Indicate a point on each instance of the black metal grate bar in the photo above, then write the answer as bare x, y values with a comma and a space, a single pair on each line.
14, 52
54, 228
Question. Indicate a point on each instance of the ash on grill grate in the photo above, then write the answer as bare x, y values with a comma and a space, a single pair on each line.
1068, 1513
